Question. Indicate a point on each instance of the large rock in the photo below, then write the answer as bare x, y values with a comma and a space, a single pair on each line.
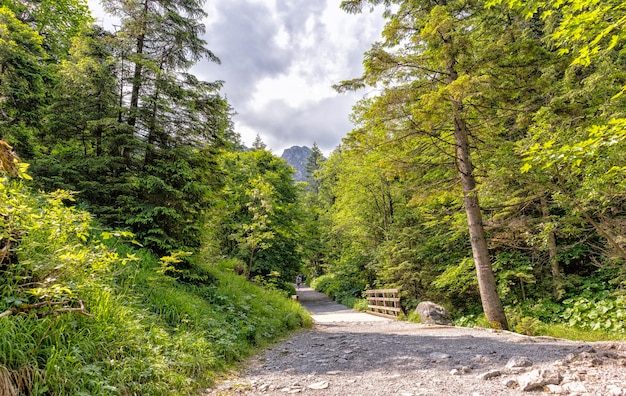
431, 313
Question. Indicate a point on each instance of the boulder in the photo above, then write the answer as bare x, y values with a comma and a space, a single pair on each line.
431, 313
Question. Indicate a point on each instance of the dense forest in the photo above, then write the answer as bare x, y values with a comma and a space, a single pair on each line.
488, 172
143, 248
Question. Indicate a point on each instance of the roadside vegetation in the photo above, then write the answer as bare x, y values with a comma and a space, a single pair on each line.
87, 312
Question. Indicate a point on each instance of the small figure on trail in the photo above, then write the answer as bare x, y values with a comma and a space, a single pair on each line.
299, 280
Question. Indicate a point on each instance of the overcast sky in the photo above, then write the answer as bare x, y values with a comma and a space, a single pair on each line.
279, 60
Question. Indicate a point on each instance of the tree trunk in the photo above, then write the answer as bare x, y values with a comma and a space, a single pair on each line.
137, 79
492, 306
552, 250
134, 96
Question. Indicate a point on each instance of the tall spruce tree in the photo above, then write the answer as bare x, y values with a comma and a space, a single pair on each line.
313, 164
129, 127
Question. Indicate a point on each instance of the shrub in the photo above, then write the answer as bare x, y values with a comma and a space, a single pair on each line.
361, 305
337, 289
604, 312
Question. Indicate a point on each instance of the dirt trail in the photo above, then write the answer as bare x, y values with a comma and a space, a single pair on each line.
324, 310
353, 353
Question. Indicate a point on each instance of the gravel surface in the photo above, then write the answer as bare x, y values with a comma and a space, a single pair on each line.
352, 353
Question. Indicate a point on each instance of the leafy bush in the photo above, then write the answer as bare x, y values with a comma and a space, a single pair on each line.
547, 311
361, 305
581, 318
605, 312
274, 281
414, 317
325, 284
528, 326
46, 255
472, 320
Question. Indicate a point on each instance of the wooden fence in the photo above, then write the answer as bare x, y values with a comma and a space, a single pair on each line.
384, 302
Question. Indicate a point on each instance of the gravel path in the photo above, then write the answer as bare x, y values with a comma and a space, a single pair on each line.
353, 353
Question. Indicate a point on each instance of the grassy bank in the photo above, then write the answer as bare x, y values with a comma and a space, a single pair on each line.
137, 331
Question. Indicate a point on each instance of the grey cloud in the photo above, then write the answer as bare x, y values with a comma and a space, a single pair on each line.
296, 13
243, 39
322, 122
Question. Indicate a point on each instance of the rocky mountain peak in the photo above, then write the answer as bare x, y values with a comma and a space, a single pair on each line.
297, 157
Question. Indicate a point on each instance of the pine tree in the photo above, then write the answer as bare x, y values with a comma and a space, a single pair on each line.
313, 164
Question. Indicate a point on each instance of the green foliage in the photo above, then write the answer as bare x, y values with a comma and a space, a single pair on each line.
413, 317
472, 320
325, 284
144, 144
22, 80
573, 333
60, 20
258, 220
521, 322
148, 165
361, 305
45, 239
458, 281
591, 317
313, 164
275, 281
147, 333
529, 326
602, 312
515, 274
339, 288
171, 198
539, 87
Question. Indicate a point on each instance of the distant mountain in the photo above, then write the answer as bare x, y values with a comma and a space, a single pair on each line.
297, 157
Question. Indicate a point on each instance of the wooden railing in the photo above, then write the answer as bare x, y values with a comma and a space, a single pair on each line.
384, 302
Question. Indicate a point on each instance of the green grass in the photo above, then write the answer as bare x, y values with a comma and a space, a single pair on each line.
534, 327
576, 334
158, 337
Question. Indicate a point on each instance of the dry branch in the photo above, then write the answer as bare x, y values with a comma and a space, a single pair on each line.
32, 307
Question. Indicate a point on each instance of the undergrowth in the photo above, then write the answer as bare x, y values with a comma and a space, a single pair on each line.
333, 287
600, 317
116, 323
595, 314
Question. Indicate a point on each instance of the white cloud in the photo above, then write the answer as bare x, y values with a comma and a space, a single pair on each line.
279, 61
